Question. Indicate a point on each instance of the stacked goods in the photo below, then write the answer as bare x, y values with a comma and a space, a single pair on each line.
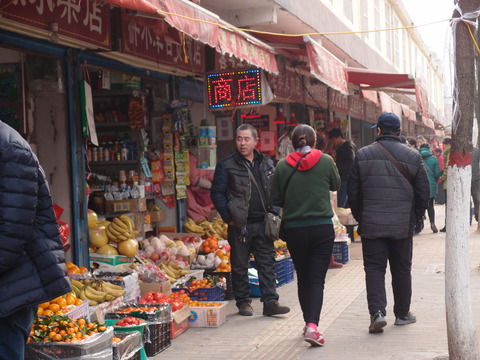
96, 291
116, 237
216, 228
208, 314
60, 305
177, 300
217, 260
281, 250
173, 271
59, 337
178, 251
75, 269
204, 289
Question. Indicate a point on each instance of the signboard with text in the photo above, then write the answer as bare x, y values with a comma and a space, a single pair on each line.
87, 21
234, 88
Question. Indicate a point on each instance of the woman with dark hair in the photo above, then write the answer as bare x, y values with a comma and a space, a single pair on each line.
307, 219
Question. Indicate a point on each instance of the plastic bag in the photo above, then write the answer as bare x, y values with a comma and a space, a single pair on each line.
63, 228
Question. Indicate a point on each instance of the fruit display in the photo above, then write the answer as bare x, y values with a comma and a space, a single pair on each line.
176, 299
173, 271
58, 328
60, 305
179, 251
75, 269
219, 259
116, 237
130, 321
96, 291
210, 245
216, 228
279, 244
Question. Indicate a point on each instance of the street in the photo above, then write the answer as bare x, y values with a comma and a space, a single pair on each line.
344, 319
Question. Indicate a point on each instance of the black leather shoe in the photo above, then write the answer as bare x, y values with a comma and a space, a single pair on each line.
444, 229
274, 308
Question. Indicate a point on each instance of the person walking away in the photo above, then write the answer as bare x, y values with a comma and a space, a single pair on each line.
434, 173
309, 231
447, 142
32, 260
238, 200
388, 191
440, 199
345, 153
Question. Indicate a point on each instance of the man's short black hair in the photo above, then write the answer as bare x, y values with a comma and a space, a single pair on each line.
335, 133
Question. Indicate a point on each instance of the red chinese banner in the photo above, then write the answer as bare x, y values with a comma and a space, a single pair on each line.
287, 85
82, 20
325, 66
371, 112
356, 107
148, 42
339, 102
316, 93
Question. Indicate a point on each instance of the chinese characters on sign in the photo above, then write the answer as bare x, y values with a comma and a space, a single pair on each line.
87, 21
234, 88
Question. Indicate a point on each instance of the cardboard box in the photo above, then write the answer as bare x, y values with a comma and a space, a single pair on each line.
155, 216
180, 322
165, 287
127, 205
110, 262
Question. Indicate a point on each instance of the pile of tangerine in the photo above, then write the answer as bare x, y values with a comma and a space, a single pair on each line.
209, 245
59, 305
74, 269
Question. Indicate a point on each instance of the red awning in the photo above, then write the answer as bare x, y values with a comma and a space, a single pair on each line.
206, 27
391, 82
322, 64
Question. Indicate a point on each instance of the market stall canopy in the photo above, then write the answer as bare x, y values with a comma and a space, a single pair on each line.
391, 82
322, 64
206, 27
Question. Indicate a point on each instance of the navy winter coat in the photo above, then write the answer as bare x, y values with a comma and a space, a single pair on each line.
32, 260
382, 200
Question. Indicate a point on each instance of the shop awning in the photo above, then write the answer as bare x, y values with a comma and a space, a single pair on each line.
206, 27
391, 82
322, 64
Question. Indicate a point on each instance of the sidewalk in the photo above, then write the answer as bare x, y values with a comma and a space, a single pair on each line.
344, 319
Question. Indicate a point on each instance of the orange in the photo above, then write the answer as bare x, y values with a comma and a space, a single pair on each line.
74, 270
70, 299
57, 299
48, 312
69, 264
54, 307
45, 305
62, 303
78, 302
83, 269
40, 311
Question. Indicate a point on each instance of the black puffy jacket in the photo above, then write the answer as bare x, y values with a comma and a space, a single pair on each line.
231, 187
32, 260
382, 200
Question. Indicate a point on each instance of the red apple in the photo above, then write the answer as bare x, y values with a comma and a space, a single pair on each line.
154, 256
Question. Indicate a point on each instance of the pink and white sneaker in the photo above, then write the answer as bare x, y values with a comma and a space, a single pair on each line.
313, 336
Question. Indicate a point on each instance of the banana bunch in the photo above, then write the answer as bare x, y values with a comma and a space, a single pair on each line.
120, 229
216, 228
96, 292
279, 244
172, 271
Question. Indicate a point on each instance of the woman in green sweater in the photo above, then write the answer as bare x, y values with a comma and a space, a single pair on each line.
304, 195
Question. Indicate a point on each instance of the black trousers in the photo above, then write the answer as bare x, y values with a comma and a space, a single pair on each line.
311, 248
264, 253
376, 253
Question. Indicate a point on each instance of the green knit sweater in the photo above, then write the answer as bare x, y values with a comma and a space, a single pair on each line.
307, 200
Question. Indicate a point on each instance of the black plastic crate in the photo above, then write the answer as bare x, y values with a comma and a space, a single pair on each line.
159, 339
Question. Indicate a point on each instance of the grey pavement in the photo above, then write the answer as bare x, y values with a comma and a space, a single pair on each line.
344, 318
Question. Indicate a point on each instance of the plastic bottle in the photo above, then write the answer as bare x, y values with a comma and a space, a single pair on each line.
124, 151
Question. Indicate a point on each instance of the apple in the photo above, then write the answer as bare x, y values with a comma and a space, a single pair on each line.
154, 256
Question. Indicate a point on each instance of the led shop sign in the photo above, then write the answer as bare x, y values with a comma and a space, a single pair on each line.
234, 88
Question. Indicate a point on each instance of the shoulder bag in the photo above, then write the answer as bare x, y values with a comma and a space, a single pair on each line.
394, 161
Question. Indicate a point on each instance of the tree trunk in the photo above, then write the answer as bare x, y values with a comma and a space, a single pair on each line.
462, 342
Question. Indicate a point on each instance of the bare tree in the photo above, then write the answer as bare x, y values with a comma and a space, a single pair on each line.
462, 342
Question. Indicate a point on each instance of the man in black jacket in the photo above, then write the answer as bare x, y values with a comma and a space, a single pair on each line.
32, 260
238, 201
387, 197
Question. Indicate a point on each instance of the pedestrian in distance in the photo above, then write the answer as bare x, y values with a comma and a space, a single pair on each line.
240, 201
388, 192
309, 231
440, 199
32, 260
345, 153
434, 173
447, 144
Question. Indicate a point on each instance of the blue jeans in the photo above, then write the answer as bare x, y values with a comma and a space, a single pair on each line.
15, 330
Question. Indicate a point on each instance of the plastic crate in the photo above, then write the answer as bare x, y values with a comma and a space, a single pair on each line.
284, 270
159, 339
97, 346
208, 316
79, 311
162, 315
229, 295
130, 346
215, 293
341, 251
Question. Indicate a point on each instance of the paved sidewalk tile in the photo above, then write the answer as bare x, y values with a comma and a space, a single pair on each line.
344, 319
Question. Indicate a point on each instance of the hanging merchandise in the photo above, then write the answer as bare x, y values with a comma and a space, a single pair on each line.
88, 120
137, 110
182, 176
